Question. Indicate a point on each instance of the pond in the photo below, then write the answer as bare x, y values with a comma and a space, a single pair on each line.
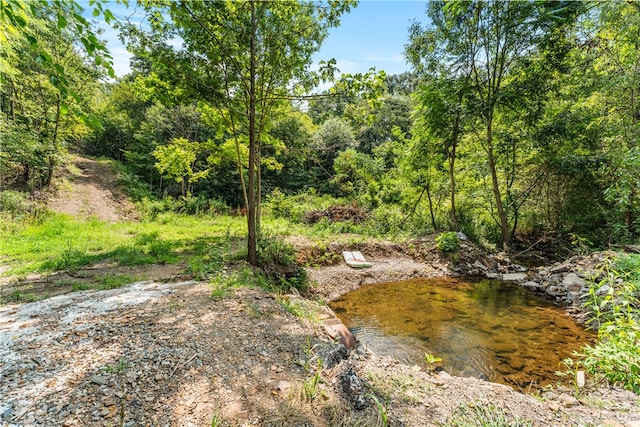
488, 329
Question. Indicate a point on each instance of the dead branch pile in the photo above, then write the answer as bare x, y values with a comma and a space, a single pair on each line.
337, 213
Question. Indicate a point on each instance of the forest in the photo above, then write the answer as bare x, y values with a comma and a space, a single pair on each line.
519, 122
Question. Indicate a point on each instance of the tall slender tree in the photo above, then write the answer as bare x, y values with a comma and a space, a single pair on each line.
245, 58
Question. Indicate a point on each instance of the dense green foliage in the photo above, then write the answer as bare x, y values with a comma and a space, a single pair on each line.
519, 120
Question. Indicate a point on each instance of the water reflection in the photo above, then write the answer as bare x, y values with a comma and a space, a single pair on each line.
489, 329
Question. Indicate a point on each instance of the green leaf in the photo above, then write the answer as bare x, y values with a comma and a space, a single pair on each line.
62, 21
64, 109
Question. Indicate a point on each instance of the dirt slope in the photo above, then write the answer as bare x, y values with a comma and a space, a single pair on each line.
92, 192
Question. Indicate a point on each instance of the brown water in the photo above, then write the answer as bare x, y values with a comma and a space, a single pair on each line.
488, 329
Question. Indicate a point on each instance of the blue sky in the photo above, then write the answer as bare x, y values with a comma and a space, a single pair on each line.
371, 35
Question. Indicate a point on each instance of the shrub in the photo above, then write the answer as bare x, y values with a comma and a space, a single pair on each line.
448, 241
277, 259
612, 305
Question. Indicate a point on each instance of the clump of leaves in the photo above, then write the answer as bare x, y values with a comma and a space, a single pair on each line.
448, 241
431, 360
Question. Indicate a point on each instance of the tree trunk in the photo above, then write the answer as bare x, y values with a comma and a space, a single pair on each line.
452, 163
433, 216
502, 216
54, 144
252, 249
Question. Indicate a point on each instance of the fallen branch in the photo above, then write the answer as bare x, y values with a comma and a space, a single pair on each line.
181, 365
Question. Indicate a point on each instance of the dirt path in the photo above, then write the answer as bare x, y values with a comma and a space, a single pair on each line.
92, 192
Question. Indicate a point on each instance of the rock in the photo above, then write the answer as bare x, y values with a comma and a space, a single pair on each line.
573, 283
6, 411
351, 385
283, 385
100, 379
492, 276
534, 286
461, 235
513, 277
559, 269
603, 290
568, 401
331, 355
479, 265
519, 268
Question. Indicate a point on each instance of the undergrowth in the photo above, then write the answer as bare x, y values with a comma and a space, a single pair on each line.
612, 304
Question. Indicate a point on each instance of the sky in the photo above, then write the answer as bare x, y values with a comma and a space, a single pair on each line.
371, 35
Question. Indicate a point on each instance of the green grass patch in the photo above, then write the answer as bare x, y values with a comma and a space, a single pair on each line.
60, 242
485, 415
113, 282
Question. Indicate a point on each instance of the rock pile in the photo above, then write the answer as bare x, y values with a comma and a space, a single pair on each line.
565, 282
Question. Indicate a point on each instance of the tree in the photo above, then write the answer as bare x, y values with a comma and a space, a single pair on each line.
45, 81
244, 58
487, 41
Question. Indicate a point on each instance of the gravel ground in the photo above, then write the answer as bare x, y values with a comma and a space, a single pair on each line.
152, 354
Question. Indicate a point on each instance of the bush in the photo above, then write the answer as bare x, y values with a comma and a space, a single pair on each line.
16, 207
296, 207
277, 259
448, 241
612, 305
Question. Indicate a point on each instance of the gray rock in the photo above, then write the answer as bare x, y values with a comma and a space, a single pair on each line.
100, 379
534, 286
6, 411
559, 269
602, 290
352, 387
479, 265
513, 277
572, 282
331, 355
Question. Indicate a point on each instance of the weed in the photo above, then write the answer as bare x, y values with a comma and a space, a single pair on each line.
217, 421
431, 360
119, 368
484, 415
113, 282
448, 241
75, 287
219, 291
254, 310
612, 305
382, 409
310, 387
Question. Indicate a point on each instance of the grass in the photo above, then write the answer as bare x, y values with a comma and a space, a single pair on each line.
61, 243
482, 414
